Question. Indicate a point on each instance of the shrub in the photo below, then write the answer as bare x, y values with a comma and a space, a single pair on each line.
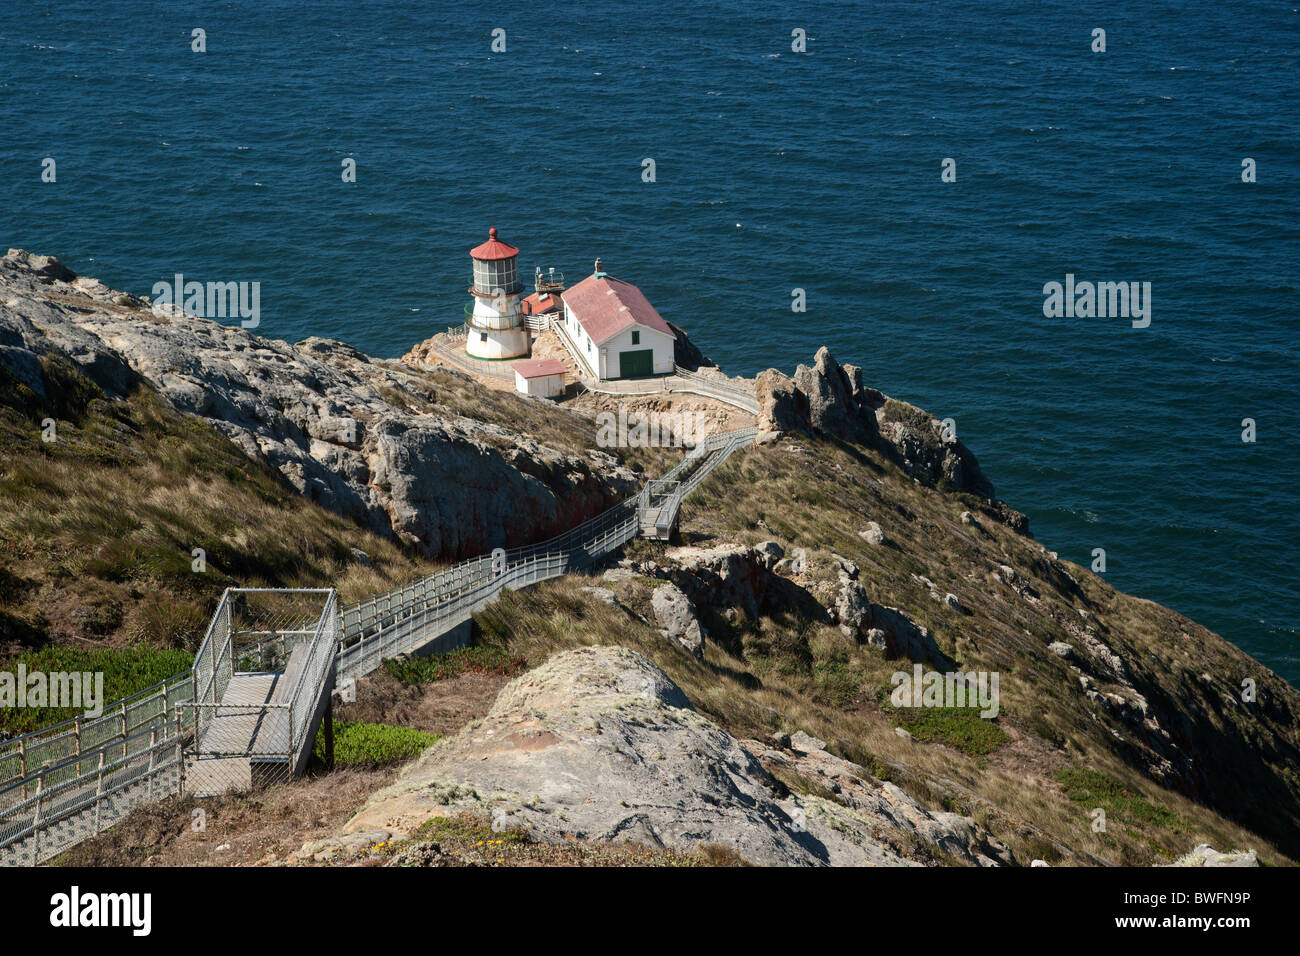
373, 745
961, 728
1095, 789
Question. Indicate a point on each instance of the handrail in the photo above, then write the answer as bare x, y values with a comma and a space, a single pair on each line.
42, 733
449, 596
469, 364
320, 655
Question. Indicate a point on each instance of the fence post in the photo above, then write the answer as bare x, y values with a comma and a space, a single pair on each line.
293, 744
40, 793
180, 751
36, 821
99, 789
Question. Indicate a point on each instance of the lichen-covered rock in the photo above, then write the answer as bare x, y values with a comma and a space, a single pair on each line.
837, 402
873, 534
737, 577
781, 407
928, 450
830, 399
883, 804
852, 606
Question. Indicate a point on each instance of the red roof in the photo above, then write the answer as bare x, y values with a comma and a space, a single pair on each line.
605, 306
540, 302
536, 368
494, 248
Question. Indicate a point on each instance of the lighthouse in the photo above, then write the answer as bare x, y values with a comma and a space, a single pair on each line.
495, 325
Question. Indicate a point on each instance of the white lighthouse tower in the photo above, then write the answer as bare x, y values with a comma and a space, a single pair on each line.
496, 327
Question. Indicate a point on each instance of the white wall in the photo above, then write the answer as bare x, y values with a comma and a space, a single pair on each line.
582, 340
650, 339
604, 359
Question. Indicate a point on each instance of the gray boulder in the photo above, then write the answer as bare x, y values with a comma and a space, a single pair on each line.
873, 535
677, 617
1206, 855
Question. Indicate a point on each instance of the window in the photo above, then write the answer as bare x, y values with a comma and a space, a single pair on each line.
482, 336
636, 338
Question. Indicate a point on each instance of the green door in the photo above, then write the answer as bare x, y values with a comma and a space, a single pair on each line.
633, 364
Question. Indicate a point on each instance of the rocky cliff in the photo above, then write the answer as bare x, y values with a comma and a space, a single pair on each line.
830, 400
371, 440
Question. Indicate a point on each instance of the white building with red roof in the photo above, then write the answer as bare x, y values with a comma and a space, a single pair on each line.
615, 330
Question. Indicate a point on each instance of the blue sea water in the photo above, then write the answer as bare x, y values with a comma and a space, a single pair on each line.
774, 170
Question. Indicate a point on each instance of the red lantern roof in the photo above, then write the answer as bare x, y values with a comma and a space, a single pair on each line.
494, 248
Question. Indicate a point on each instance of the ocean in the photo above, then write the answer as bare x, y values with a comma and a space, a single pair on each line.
774, 170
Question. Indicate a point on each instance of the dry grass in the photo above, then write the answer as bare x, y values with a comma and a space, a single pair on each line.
1034, 815
97, 535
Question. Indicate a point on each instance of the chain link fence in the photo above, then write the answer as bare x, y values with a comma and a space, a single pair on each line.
70, 781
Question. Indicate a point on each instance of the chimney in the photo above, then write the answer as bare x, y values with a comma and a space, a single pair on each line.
600, 268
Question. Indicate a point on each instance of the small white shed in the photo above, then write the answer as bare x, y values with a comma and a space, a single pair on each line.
541, 377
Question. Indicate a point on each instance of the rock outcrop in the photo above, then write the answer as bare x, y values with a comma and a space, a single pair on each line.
727, 577
1206, 855
884, 627
883, 803
686, 353
676, 614
838, 402
929, 451
781, 407
599, 744
830, 399
342, 428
